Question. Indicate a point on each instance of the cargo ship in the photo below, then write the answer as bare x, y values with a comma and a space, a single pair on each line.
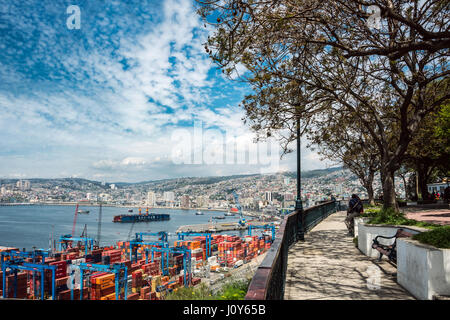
141, 217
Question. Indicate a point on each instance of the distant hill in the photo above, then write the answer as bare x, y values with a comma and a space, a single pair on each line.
315, 173
164, 184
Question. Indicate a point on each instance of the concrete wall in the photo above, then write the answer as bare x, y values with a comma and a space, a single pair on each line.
358, 221
368, 232
423, 270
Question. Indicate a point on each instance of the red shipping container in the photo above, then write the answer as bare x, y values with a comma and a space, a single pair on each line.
133, 296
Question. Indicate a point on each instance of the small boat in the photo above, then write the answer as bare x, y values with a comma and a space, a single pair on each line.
199, 213
218, 217
228, 214
130, 210
83, 211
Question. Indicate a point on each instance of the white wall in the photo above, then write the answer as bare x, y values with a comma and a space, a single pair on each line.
368, 232
423, 270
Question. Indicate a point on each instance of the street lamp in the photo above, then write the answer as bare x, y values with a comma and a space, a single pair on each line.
298, 202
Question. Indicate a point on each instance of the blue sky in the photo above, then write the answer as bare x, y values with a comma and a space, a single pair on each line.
104, 101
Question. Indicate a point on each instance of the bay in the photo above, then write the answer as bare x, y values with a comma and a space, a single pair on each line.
28, 226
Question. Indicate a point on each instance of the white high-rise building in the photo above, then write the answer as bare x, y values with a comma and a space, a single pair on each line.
169, 196
23, 185
151, 199
2, 191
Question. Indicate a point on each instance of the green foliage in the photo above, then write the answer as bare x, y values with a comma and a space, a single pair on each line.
234, 290
438, 237
201, 292
355, 241
392, 217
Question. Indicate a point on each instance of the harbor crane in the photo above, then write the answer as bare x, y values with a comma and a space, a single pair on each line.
16, 262
165, 264
265, 227
139, 240
66, 239
242, 221
119, 270
207, 236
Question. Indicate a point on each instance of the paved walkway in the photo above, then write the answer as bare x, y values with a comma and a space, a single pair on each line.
328, 266
431, 215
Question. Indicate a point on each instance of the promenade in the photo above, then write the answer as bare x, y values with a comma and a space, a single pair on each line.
328, 266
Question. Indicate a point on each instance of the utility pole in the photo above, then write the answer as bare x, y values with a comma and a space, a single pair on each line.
298, 202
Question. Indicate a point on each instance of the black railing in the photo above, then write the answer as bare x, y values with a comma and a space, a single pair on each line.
269, 280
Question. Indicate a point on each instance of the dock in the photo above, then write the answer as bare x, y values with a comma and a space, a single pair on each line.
217, 227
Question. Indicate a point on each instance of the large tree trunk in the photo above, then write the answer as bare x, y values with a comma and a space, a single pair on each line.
370, 195
389, 197
368, 184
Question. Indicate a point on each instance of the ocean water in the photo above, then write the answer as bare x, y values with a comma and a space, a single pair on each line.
28, 226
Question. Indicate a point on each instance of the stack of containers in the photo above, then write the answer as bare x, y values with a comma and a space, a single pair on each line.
136, 281
133, 296
21, 289
115, 256
151, 268
65, 295
60, 276
103, 286
145, 293
97, 255
156, 281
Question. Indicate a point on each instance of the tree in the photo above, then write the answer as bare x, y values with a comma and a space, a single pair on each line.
327, 59
429, 152
346, 142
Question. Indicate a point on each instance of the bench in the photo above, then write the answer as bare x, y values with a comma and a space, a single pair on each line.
389, 250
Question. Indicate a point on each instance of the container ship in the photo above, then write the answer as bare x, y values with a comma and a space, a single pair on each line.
141, 217
128, 270
147, 217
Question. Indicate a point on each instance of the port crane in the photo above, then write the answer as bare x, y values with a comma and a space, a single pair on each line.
242, 221
119, 270
265, 227
99, 227
16, 262
207, 236
139, 240
165, 264
66, 239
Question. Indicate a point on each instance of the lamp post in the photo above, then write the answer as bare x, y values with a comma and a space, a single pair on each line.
298, 202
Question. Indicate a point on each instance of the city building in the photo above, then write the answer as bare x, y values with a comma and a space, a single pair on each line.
185, 201
268, 196
23, 185
169, 196
151, 199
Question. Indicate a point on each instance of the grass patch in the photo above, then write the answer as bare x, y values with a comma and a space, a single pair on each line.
355, 241
235, 290
200, 292
390, 216
438, 237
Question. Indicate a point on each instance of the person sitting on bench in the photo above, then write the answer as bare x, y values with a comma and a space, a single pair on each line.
355, 208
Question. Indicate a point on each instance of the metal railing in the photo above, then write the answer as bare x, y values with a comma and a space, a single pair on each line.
268, 283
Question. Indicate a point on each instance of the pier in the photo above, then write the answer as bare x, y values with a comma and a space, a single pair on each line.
217, 227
